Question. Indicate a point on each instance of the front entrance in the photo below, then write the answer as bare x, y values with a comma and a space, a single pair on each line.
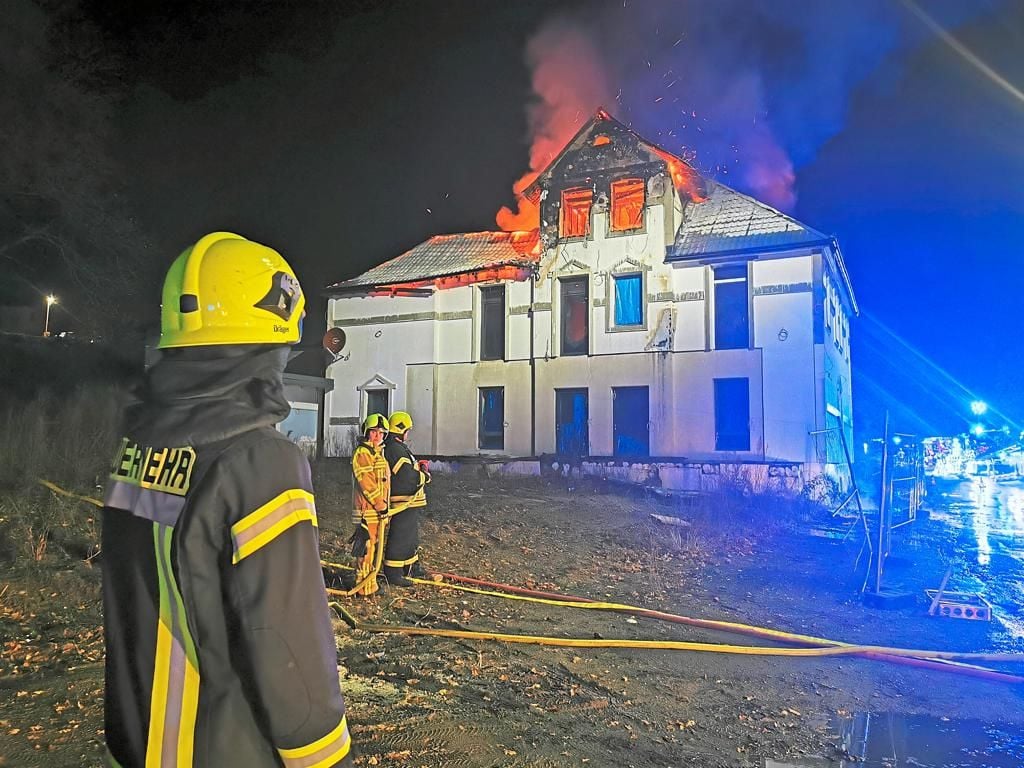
572, 415
630, 421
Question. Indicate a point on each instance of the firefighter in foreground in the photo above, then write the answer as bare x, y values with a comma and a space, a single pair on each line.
408, 495
220, 651
371, 493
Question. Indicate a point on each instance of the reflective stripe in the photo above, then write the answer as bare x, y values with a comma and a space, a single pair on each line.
321, 753
155, 506
175, 699
259, 528
399, 464
401, 563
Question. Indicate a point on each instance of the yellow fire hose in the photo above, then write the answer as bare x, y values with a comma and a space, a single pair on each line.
668, 645
823, 646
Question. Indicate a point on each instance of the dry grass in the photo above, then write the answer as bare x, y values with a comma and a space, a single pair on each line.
69, 441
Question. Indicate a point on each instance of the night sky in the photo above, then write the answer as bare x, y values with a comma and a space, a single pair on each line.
343, 133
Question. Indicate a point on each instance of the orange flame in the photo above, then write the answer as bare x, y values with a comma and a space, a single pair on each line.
569, 80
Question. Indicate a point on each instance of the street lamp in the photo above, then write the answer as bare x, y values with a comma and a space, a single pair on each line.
50, 301
978, 407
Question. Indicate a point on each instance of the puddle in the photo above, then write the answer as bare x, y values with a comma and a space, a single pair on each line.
911, 741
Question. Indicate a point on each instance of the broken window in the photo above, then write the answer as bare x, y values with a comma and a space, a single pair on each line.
378, 401
630, 421
572, 434
627, 204
492, 322
628, 299
732, 414
492, 418
732, 313
575, 213
575, 316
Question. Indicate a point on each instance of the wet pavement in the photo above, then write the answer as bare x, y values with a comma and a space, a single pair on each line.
872, 740
985, 519
977, 529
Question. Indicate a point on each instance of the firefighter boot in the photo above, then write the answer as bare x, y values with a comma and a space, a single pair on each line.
417, 571
395, 577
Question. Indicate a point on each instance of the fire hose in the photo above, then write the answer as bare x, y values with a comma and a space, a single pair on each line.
945, 661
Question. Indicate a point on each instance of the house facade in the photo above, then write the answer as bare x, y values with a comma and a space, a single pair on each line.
655, 318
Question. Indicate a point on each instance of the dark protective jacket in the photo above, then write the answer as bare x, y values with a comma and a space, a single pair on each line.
220, 650
407, 479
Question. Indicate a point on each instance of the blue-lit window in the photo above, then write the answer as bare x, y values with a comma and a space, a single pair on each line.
732, 414
492, 418
628, 299
732, 311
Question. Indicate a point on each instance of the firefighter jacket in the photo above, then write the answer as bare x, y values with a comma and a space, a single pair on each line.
408, 481
220, 651
371, 482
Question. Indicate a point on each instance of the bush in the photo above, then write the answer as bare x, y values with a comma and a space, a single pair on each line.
69, 439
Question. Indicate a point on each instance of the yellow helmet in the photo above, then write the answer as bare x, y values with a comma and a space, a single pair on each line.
229, 290
400, 422
375, 421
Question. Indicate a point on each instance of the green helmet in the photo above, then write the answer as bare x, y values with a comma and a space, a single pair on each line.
375, 421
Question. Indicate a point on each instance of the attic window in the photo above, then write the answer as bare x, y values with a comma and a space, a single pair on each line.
575, 213
600, 140
627, 204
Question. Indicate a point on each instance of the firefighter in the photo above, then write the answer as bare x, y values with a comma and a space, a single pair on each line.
408, 495
220, 650
371, 493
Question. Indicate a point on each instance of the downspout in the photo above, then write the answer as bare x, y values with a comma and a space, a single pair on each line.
533, 371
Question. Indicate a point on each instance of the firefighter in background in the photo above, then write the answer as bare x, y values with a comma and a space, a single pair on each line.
408, 495
219, 647
371, 493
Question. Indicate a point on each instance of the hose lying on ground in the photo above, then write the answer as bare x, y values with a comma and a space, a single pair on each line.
938, 660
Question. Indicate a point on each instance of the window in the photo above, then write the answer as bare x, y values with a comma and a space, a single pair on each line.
492, 322
732, 414
492, 417
630, 421
627, 204
575, 316
732, 314
628, 299
378, 401
575, 213
572, 433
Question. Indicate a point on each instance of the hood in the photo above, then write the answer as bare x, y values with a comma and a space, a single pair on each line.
201, 395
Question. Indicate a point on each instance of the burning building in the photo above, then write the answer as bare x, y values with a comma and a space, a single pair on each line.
654, 320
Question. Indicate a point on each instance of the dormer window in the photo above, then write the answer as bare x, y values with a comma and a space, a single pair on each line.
627, 206
575, 214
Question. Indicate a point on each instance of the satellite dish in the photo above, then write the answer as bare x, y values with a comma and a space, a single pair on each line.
334, 341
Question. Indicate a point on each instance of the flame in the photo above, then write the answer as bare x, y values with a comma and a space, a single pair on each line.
568, 79
687, 181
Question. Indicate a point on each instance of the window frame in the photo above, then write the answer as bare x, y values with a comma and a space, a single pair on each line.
484, 352
718, 405
563, 285
617, 431
731, 275
368, 393
489, 440
613, 303
568, 392
641, 226
564, 206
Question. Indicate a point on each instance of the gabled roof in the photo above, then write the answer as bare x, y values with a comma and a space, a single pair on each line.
689, 183
730, 222
445, 255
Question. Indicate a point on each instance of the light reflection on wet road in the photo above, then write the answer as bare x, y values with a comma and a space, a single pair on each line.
986, 519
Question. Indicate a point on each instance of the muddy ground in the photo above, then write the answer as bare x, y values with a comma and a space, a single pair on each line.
429, 701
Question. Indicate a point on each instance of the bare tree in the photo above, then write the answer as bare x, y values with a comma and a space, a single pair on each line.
63, 215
